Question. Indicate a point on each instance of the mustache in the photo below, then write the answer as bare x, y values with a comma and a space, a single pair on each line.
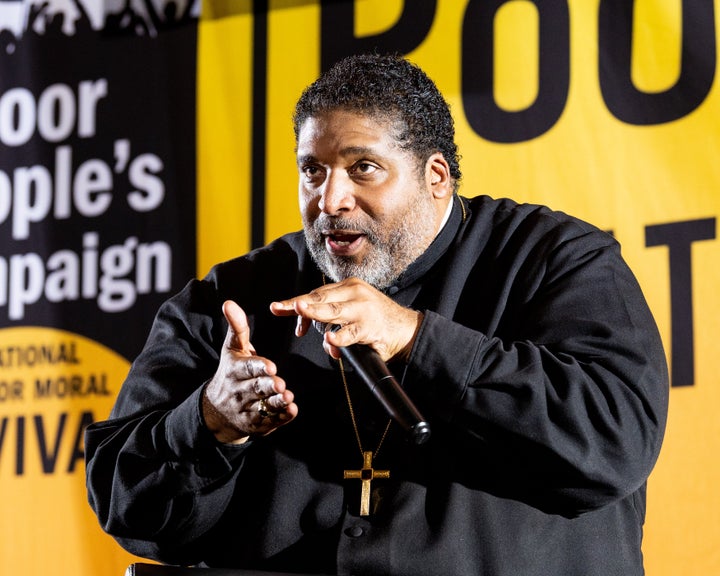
325, 222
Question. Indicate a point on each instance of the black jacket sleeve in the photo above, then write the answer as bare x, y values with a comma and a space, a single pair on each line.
549, 361
154, 472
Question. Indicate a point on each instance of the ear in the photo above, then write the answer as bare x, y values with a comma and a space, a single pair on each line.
437, 176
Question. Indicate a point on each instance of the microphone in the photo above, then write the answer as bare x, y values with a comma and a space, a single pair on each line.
377, 376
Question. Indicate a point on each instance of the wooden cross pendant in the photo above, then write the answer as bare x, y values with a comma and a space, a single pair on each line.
366, 475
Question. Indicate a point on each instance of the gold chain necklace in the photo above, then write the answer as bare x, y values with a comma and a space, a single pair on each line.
367, 473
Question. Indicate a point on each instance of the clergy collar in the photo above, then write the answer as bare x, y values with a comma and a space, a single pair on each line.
448, 230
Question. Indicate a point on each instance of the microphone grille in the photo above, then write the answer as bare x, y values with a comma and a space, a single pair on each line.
323, 327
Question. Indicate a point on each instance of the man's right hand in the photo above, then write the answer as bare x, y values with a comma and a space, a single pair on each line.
245, 396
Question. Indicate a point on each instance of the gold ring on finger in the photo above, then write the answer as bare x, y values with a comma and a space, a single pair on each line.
263, 409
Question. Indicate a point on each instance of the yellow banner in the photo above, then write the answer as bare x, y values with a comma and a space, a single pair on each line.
53, 383
607, 110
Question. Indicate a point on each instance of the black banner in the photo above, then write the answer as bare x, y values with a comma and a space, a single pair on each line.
97, 164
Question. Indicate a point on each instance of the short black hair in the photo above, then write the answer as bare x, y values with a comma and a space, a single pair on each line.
387, 86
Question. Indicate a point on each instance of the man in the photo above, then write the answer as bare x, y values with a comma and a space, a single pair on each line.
241, 439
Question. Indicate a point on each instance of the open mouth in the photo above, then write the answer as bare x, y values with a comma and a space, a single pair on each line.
343, 242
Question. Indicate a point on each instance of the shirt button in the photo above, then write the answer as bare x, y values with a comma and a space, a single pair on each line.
393, 290
355, 531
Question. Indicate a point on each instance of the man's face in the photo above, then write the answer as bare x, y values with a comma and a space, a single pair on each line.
366, 208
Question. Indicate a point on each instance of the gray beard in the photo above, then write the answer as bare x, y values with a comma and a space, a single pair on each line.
389, 254
378, 269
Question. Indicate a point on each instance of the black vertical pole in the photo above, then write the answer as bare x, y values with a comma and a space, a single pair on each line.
259, 124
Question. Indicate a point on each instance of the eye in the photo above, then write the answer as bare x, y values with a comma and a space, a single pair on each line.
364, 168
311, 171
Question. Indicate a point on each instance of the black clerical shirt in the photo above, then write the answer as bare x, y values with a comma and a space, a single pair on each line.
537, 364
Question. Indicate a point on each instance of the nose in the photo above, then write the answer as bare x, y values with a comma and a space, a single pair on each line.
337, 194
